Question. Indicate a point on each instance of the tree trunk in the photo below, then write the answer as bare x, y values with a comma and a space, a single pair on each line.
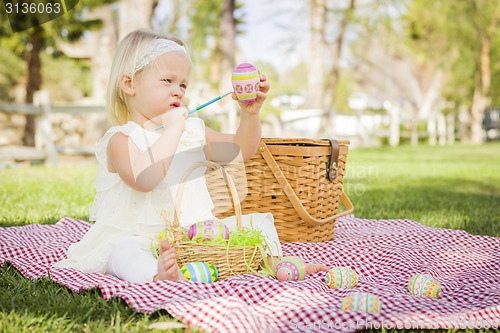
215, 69
426, 104
414, 130
441, 128
427, 108
431, 129
227, 46
479, 101
135, 14
476, 115
394, 132
176, 4
315, 81
227, 42
431, 96
336, 52
34, 81
450, 128
105, 41
331, 88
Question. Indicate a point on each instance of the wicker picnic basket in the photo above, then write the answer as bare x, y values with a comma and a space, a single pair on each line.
229, 260
299, 181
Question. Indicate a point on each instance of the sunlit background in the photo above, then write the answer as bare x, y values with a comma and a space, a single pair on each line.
373, 71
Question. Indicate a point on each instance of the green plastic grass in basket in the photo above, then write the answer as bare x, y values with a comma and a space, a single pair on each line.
241, 237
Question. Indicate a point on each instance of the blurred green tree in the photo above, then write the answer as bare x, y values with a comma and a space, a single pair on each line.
461, 36
213, 28
212, 34
30, 43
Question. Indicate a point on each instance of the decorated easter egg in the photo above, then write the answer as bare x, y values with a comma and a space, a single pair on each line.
246, 82
208, 230
165, 234
341, 277
424, 285
200, 272
361, 302
290, 269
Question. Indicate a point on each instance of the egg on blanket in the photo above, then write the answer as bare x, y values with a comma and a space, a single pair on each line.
246, 82
341, 277
361, 302
208, 230
290, 269
424, 285
200, 272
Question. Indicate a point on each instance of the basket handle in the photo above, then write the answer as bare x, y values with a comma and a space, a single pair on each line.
228, 180
287, 188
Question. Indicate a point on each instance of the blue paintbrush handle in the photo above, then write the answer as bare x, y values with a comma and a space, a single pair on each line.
203, 105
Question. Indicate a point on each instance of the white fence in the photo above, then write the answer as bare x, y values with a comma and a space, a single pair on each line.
45, 149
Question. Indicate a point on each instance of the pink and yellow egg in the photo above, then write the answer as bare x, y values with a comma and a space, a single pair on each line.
290, 269
208, 230
246, 82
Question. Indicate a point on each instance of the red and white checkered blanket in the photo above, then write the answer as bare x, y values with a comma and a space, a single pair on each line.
385, 253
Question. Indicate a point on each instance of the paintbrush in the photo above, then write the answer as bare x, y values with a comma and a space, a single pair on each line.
203, 105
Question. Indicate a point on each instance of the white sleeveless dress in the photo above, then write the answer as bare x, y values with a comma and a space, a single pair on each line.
124, 214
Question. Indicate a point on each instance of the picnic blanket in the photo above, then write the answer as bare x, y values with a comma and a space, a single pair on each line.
385, 254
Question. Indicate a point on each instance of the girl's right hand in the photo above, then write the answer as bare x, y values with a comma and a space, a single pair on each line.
175, 119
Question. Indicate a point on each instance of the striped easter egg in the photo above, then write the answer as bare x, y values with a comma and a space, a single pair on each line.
424, 285
208, 230
361, 302
341, 277
246, 82
168, 235
200, 272
290, 269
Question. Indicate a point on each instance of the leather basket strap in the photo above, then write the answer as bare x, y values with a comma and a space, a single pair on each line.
332, 167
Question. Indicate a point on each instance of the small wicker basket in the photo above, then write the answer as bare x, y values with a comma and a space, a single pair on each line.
229, 260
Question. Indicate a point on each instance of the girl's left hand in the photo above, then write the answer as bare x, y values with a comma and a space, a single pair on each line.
255, 106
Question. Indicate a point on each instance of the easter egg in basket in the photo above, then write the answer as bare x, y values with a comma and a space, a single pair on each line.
165, 234
246, 82
361, 302
424, 285
290, 269
208, 230
341, 277
200, 272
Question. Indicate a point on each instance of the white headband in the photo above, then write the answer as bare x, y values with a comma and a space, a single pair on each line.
158, 47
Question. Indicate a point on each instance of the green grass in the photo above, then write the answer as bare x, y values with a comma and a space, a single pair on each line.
45, 195
44, 306
447, 187
455, 187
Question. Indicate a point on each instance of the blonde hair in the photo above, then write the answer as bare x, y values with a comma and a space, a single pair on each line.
126, 56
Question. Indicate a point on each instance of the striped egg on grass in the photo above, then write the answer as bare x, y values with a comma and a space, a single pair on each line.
424, 285
200, 272
246, 82
208, 230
